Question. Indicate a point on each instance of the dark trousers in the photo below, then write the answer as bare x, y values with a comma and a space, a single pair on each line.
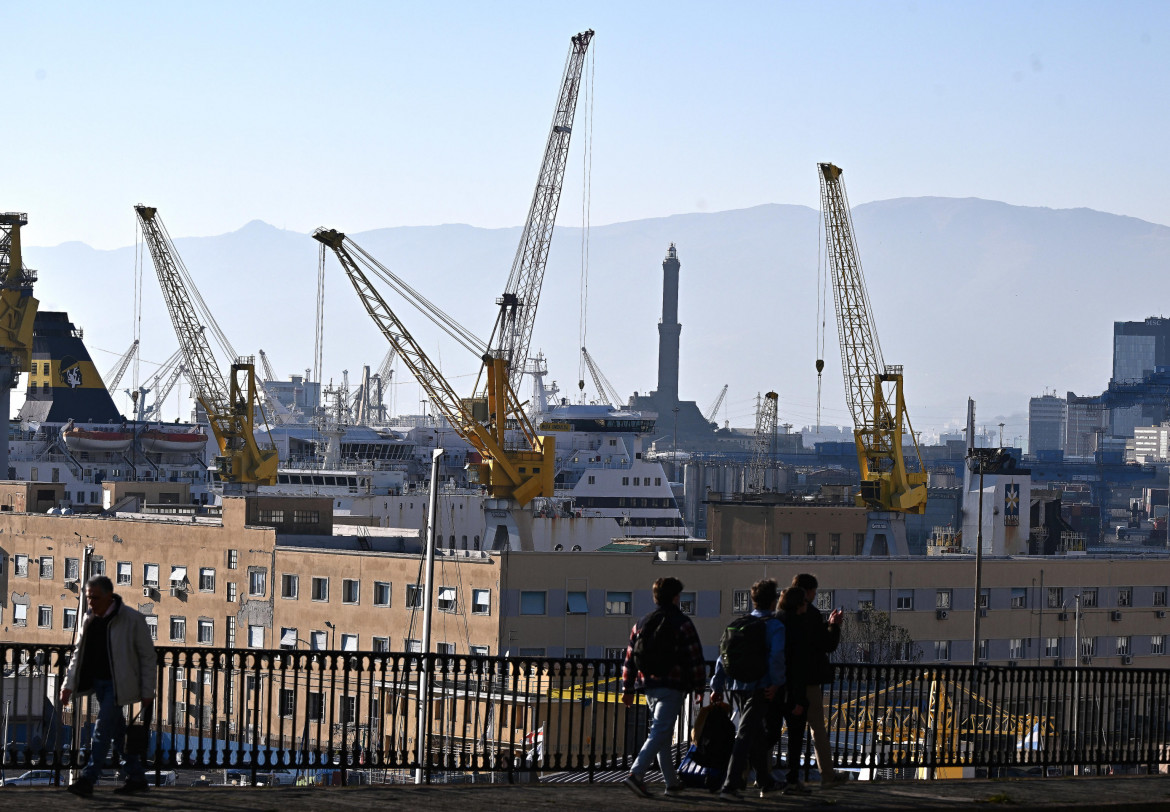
780, 716
750, 746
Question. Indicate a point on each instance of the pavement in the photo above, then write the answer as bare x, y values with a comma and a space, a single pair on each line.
1096, 793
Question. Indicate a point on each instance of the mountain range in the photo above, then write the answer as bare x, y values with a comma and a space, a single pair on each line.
973, 297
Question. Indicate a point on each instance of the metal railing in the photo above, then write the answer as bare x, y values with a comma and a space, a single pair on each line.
255, 711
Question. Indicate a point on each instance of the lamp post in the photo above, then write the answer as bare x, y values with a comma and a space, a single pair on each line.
332, 635
972, 460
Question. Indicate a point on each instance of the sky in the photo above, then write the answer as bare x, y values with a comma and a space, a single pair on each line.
369, 115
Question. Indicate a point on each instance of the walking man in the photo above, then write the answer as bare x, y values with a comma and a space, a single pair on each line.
664, 659
751, 669
790, 711
823, 637
113, 660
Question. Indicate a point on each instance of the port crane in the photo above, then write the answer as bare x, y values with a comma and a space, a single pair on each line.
605, 390
242, 464
713, 409
114, 376
161, 383
508, 471
512, 333
873, 388
18, 311
764, 443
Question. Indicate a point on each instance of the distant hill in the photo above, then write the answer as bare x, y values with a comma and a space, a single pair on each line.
973, 297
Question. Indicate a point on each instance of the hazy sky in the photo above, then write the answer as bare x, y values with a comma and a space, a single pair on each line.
362, 115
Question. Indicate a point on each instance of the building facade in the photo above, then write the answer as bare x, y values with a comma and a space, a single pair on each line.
1047, 416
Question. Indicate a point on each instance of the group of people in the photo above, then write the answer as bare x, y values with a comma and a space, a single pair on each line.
771, 668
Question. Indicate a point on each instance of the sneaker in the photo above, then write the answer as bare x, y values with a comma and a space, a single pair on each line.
769, 789
636, 785
796, 788
82, 788
675, 791
132, 787
730, 795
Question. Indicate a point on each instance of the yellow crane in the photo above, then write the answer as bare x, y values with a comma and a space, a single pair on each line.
873, 388
508, 472
242, 463
18, 311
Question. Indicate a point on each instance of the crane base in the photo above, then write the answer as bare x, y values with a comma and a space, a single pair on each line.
885, 534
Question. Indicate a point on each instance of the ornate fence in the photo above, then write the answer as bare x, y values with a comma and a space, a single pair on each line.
256, 711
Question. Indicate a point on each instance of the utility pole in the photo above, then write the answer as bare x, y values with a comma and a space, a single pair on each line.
422, 734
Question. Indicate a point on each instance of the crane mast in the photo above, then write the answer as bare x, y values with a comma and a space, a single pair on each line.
764, 444
512, 333
518, 474
114, 376
242, 463
873, 388
18, 311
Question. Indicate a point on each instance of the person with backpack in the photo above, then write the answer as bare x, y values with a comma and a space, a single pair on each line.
822, 638
751, 670
665, 660
791, 711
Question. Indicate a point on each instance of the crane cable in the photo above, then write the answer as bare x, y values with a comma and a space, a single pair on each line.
586, 217
319, 338
137, 299
822, 307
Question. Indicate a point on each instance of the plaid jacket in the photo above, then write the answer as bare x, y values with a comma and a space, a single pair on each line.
689, 672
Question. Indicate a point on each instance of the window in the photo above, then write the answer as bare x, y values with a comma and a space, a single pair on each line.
1052, 647
942, 650
810, 543
348, 709
413, 596
206, 579
592, 480
905, 599
256, 636
233, 559
834, 544
151, 624
231, 631
1088, 646
1055, 597
257, 585
615, 653
942, 599
865, 598
381, 593
825, 600
983, 649
206, 632
532, 603
178, 629
289, 584
1125, 596
46, 566
270, 516
446, 648
20, 565
448, 601
1019, 597
984, 598
687, 603
72, 569
318, 641
69, 619
349, 642
320, 589
288, 702
1160, 596
44, 617
478, 651
625, 480
741, 601
413, 646
350, 590
150, 575
381, 643
785, 545
1124, 646
125, 575
1016, 648
618, 603
531, 652
232, 591
20, 614
481, 601
306, 517
1157, 644
1088, 598
97, 566
315, 708
288, 637
574, 654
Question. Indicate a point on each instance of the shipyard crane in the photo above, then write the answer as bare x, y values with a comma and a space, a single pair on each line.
508, 472
18, 311
114, 376
512, 333
272, 404
763, 443
873, 389
385, 376
164, 389
242, 463
605, 390
154, 383
714, 407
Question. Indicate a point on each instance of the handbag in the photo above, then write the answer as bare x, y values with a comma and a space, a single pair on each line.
137, 736
713, 736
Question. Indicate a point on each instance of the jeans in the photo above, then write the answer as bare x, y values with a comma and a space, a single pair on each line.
110, 728
749, 744
664, 705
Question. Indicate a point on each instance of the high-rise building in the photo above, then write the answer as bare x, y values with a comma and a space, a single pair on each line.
1139, 348
1046, 423
1087, 418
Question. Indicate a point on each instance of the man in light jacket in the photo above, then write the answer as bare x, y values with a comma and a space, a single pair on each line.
114, 660
754, 698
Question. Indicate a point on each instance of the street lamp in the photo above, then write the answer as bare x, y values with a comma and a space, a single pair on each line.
332, 635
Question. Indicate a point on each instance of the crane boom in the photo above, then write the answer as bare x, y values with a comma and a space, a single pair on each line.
605, 389
513, 331
164, 391
714, 409
230, 407
519, 474
873, 389
114, 376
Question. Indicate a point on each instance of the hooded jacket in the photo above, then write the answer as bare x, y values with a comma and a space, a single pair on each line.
133, 663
